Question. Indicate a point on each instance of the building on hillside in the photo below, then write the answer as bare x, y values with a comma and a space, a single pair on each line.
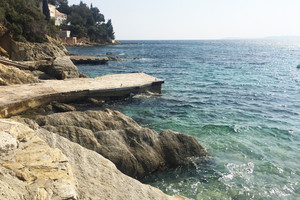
58, 16
65, 36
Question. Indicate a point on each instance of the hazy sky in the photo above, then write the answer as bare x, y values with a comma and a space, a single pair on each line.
200, 19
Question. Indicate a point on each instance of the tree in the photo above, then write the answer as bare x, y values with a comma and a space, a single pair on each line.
24, 20
61, 5
110, 30
46, 10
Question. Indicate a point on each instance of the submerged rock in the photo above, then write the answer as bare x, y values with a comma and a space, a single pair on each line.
136, 151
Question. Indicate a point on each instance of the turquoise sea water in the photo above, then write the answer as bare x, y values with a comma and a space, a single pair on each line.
240, 99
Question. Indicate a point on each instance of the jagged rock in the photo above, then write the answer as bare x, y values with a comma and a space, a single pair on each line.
37, 51
135, 150
55, 68
30, 169
26, 51
10, 75
63, 68
97, 177
64, 170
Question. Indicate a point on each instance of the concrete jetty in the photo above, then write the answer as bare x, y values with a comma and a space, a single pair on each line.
18, 98
80, 60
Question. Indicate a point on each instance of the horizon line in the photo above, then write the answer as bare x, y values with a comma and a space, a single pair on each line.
225, 38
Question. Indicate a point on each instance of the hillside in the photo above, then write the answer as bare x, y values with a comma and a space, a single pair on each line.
30, 20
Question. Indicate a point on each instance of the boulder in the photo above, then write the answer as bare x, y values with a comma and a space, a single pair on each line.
42, 165
97, 177
136, 151
26, 51
10, 75
63, 68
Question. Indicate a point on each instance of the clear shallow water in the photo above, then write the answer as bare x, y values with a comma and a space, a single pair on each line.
240, 99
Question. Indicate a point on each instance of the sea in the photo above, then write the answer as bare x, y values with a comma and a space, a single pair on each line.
239, 98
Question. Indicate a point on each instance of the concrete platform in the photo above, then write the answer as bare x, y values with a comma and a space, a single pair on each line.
81, 60
18, 98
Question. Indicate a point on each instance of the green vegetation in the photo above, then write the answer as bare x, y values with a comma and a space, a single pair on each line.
86, 22
26, 22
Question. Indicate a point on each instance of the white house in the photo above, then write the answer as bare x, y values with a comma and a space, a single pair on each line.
55, 14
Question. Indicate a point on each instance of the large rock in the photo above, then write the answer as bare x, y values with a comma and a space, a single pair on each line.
27, 51
10, 75
37, 51
98, 178
135, 150
55, 68
63, 68
30, 169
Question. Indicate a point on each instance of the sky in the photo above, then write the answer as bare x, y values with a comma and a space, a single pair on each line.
199, 19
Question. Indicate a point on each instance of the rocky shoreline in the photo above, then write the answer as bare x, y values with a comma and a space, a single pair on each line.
74, 151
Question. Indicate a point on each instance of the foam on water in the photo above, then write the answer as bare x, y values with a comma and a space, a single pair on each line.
240, 99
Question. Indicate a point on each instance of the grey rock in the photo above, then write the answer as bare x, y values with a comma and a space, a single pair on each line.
7, 143
10, 75
63, 68
136, 151
33, 170
97, 177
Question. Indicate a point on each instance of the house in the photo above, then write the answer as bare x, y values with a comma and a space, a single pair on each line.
65, 37
64, 34
58, 16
